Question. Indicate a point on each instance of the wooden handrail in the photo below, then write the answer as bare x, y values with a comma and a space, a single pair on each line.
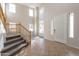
19, 25
2, 12
3, 19
11, 24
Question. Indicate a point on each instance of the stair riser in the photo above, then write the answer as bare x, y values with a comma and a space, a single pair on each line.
14, 53
8, 38
17, 51
8, 43
12, 47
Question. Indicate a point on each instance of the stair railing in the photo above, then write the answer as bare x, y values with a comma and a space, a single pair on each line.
25, 33
20, 29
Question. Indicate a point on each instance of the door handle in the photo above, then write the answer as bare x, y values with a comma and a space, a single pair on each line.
54, 30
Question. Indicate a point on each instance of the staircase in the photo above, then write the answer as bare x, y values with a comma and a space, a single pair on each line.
10, 45
13, 45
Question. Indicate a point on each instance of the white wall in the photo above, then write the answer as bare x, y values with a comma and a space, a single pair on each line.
51, 10
2, 35
21, 15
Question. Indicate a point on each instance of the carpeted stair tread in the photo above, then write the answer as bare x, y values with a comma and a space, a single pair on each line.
14, 51
8, 42
12, 37
12, 45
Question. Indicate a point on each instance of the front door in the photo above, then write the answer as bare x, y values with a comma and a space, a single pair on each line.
60, 28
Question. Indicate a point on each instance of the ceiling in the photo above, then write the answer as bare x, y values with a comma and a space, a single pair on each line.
33, 5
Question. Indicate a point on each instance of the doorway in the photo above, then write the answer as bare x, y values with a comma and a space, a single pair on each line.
41, 28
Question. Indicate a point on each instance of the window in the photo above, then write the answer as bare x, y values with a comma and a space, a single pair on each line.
12, 27
12, 8
31, 12
30, 27
52, 26
71, 26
